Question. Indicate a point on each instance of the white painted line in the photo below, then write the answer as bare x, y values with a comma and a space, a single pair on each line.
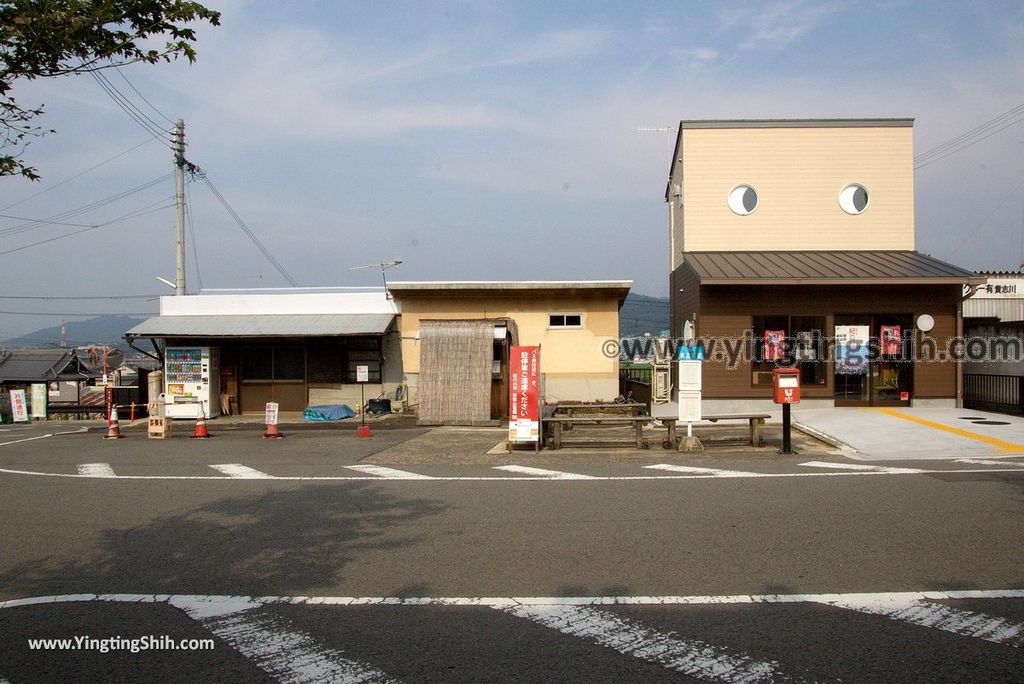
285, 654
239, 471
863, 468
73, 432
983, 461
221, 605
710, 472
542, 476
388, 473
96, 470
937, 616
691, 657
544, 473
27, 439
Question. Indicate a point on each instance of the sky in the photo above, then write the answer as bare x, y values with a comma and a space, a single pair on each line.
484, 140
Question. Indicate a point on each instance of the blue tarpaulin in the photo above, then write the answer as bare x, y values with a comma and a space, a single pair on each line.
328, 412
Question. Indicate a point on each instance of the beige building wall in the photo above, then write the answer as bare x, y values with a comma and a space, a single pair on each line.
574, 364
798, 173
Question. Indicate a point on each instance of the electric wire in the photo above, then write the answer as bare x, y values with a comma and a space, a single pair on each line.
983, 131
78, 297
141, 96
129, 108
134, 214
192, 234
252, 236
78, 211
77, 175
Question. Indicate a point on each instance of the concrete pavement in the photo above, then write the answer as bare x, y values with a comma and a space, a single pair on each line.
889, 434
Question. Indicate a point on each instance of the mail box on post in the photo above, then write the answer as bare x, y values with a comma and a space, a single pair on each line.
786, 385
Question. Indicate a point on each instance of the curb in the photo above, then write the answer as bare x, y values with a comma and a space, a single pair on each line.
821, 436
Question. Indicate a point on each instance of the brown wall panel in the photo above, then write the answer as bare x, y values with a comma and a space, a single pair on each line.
726, 311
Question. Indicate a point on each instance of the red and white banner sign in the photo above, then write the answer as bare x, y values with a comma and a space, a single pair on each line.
523, 396
892, 341
19, 408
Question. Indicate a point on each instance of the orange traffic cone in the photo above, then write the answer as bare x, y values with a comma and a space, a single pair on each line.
272, 432
200, 432
113, 428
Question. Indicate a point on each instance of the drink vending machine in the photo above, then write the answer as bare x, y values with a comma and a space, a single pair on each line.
191, 381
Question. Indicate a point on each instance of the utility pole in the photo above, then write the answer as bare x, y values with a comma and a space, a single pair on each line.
179, 196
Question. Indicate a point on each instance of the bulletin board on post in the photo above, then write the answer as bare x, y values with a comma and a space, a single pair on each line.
524, 396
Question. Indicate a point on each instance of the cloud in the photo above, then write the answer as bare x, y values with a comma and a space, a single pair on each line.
776, 24
554, 46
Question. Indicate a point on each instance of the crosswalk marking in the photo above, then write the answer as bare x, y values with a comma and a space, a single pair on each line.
691, 657
937, 616
543, 472
862, 468
285, 654
96, 470
985, 461
239, 471
388, 473
711, 472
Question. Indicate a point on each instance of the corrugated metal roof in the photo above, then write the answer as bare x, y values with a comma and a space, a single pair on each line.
278, 325
1003, 309
38, 365
824, 268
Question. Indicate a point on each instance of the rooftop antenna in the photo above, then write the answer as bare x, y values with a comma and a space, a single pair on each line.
652, 129
383, 266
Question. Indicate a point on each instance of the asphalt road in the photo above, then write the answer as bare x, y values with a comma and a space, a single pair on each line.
801, 544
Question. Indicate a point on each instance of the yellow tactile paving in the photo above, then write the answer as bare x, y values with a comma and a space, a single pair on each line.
1000, 444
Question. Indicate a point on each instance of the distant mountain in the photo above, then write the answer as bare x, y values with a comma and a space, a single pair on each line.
94, 331
642, 314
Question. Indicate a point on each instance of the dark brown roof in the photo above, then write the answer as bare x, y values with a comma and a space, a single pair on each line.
40, 365
825, 268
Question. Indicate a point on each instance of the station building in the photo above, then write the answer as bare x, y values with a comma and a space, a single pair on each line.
440, 348
792, 241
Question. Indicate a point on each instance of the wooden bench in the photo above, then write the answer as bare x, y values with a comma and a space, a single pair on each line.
557, 422
756, 420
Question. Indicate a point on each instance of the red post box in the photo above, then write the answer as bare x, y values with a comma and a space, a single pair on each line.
786, 385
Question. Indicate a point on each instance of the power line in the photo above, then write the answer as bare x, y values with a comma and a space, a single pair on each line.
78, 297
72, 213
129, 108
135, 214
192, 235
141, 96
241, 224
983, 131
74, 313
77, 175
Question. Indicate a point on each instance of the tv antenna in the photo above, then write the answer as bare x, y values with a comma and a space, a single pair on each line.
383, 266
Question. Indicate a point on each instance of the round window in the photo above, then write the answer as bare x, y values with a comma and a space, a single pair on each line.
743, 200
853, 198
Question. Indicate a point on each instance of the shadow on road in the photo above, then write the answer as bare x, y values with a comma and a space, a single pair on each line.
279, 542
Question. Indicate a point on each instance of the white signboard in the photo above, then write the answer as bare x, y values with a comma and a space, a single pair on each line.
39, 400
852, 349
19, 408
362, 374
999, 287
271, 413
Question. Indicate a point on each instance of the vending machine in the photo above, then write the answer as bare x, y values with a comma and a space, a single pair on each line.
191, 381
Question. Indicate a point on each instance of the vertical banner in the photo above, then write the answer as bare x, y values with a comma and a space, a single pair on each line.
39, 400
852, 349
19, 409
774, 345
892, 341
523, 396
271, 413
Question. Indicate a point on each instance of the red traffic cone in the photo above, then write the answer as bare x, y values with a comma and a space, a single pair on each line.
113, 428
200, 431
272, 432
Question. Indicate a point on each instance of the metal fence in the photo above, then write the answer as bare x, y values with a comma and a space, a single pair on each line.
1000, 393
635, 381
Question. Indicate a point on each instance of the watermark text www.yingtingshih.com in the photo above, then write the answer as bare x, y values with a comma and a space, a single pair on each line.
118, 643
786, 350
